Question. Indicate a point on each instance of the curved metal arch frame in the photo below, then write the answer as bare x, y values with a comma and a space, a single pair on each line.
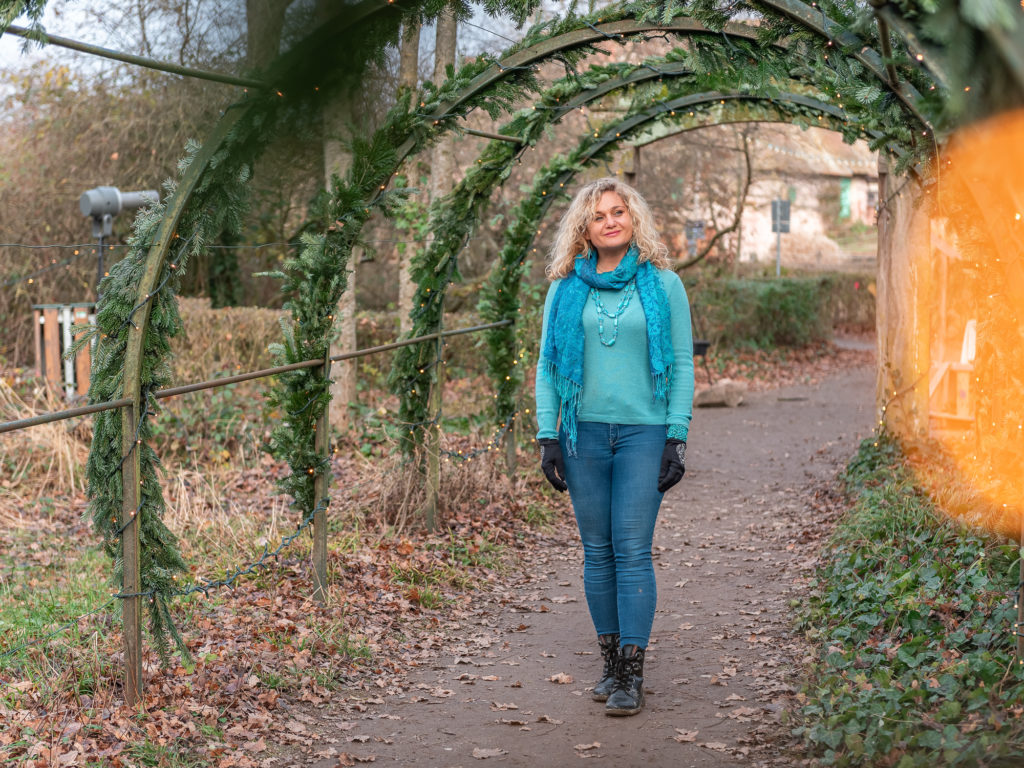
797, 11
816, 21
681, 25
529, 57
617, 132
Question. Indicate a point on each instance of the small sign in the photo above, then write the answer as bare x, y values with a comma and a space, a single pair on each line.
780, 216
694, 231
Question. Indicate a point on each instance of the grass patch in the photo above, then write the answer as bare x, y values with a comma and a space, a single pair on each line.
914, 617
153, 755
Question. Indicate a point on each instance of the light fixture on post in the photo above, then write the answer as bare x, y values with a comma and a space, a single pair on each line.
102, 204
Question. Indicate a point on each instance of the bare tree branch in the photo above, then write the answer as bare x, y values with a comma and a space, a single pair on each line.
741, 200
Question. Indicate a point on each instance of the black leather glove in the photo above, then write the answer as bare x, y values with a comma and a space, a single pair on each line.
552, 464
673, 464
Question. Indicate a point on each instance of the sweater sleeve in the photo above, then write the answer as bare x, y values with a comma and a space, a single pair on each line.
548, 404
680, 396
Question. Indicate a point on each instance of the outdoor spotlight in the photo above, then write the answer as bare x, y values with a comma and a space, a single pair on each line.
104, 203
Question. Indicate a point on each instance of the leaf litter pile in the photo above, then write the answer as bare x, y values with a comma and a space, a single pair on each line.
263, 654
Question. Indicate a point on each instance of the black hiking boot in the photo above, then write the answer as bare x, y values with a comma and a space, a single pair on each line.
627, 697
610, 653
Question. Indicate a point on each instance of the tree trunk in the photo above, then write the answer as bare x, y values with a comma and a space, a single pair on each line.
409, 57
337, 119
337, 160
264, 21
443, 160
441, 182
408, 78
902, 315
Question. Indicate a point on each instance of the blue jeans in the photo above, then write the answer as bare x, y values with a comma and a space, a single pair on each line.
613, 483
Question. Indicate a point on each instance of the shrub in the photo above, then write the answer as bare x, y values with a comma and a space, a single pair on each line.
780, 312
914, 621
222, 341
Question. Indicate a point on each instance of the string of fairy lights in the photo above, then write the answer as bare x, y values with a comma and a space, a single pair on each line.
83, 250
262, 562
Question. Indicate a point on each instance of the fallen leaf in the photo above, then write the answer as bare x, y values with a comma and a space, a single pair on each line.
584, 747
715, 745
547, 719
682, 735
743, 712
483, 754
561, 678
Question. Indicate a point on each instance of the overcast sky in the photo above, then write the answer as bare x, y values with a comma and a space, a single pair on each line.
66, 19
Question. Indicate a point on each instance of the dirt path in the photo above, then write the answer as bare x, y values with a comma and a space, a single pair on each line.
731, 552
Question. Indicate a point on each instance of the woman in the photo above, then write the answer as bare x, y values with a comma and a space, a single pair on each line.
614, 400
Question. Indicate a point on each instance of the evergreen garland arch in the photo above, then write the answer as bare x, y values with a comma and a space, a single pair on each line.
711, 64
499, 297
218, 186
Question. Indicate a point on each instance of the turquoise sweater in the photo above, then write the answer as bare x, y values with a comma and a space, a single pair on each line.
617, 386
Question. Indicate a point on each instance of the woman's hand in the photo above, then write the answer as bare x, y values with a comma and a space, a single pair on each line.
551, 463
673, 464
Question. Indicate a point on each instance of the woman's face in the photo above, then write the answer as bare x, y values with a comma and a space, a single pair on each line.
611, 228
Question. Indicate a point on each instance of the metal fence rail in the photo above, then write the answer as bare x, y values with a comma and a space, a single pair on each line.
70, 413
130, 592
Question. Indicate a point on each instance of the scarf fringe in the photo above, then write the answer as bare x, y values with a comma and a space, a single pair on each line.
662, 383
563, 349
570, 394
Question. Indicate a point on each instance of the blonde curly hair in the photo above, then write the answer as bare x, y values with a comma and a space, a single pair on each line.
570, 240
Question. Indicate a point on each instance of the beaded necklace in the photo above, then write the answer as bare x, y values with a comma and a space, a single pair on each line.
602, 311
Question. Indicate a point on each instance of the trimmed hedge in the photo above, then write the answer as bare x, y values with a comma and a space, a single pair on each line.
780, 312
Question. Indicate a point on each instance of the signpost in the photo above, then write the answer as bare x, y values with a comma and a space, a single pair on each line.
694, 232
780, 224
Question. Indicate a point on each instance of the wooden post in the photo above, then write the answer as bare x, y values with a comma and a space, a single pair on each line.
130, 580
320, 494
66, 341
83, 359
1020, 595
510, 447
51, 347
37, 333
431, 511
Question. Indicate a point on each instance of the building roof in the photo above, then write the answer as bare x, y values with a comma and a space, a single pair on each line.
815, 151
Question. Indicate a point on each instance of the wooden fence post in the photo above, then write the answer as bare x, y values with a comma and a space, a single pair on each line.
322, 444
1020, 595
510, 446
433, 505
51, 347
130, 580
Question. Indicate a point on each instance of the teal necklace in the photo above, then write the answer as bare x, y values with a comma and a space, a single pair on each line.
602, 311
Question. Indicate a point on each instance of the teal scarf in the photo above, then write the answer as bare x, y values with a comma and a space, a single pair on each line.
562, 356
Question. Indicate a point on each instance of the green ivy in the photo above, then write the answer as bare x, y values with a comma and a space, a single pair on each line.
913, 617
